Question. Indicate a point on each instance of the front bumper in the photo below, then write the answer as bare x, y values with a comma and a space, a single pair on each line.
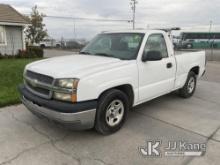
77, 116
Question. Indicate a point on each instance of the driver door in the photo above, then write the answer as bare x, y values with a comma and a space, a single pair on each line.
156, 77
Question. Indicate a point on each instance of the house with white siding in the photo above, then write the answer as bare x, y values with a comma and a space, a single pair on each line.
12, 25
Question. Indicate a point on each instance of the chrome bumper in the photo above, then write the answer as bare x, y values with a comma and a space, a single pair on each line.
80, 120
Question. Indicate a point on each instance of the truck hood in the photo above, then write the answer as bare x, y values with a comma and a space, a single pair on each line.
74, 66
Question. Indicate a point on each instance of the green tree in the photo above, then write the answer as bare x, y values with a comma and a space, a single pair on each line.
36, 32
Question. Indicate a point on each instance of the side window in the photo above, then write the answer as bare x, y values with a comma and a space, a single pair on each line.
2, 36
156, 42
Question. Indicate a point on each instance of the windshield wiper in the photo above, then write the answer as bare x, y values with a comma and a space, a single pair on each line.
105, 55
84, 52
100, 54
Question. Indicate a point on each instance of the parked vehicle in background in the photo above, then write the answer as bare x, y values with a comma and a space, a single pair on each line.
113, 73
176, 41
199, 40
49, 43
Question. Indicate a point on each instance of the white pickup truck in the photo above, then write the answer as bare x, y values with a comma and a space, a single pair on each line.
113, 73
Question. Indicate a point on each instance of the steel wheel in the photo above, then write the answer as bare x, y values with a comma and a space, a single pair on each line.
189, 46
114, 113
191, 85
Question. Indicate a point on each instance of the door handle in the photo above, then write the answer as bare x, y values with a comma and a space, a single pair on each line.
169, 65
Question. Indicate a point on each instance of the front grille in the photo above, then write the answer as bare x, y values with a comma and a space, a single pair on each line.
40, 91
39, 77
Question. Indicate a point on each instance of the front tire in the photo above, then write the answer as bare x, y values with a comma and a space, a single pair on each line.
112, 111
189, 87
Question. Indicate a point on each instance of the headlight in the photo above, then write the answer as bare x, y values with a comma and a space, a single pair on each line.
67, 83
63, 84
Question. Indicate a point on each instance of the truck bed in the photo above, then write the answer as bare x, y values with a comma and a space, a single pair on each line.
180, 52
186, 60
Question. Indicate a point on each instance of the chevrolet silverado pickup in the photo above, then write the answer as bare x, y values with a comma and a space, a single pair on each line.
113, 73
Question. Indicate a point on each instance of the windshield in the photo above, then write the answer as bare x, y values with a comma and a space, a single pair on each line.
124, 46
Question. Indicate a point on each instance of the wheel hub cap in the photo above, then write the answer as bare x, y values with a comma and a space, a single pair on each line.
114, 113
191, 85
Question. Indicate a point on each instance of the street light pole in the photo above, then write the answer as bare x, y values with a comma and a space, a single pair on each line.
74, 29
133, 8
210, 26
210, 39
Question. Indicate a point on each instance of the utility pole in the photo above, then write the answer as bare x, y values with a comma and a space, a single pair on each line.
210, 26
133, 8
74, 28
210, 39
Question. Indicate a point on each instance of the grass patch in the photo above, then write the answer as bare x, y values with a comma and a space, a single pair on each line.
11, 75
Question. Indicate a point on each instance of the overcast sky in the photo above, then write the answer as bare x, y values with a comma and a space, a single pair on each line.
194, 14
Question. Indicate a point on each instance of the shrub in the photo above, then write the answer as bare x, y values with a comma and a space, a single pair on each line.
35, 51
30, 52
6, 56
22, 54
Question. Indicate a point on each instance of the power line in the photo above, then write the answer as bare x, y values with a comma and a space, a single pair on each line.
86, 18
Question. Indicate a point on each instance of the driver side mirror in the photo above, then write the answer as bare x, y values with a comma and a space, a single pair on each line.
152, 56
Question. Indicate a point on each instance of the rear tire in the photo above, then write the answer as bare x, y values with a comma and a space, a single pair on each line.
112, 111
189, 87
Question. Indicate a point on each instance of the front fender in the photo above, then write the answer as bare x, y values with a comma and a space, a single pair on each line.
91, 87
114, 83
